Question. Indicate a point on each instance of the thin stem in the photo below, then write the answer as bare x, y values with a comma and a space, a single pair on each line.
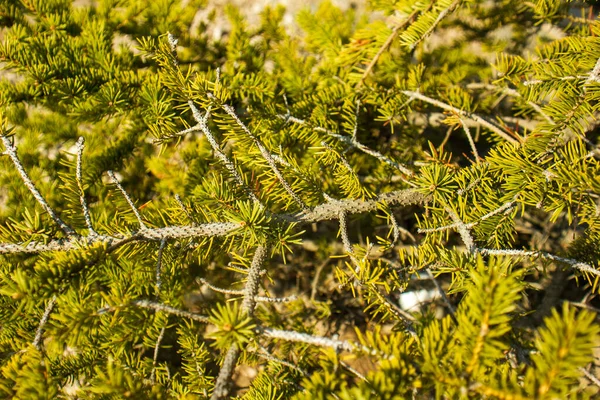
355, 130
259, 299
353, 371
170, 310
183, 207
159, 265
264, 353
129, 200
471, 142
513, 93
181, 133
40, 330
502, 208
78, 177
220, 290
471, 116
11, 151
590, 376
155, 358
578, 265
442, 293
293, 336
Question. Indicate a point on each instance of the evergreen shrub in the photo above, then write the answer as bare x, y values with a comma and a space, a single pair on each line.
187, 215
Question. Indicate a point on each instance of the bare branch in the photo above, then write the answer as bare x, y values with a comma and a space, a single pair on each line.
259, 299
471, 141
590, 376
252, 281
221, 389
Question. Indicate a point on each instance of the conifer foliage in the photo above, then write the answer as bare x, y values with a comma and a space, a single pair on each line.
185, 216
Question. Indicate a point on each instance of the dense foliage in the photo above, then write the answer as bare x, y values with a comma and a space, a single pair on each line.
184, 215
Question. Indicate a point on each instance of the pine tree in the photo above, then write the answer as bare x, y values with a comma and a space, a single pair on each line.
174, 206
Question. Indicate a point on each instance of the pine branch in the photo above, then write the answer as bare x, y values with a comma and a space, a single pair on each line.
385, 300
323, 212
443, 14
352, 143
266, 155
386, 45
331, 209
248, 304
11, 151
201, 121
